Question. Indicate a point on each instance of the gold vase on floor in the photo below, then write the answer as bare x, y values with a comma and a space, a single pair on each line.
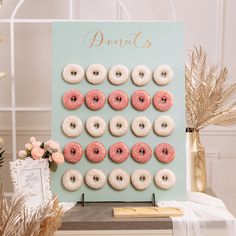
197, 161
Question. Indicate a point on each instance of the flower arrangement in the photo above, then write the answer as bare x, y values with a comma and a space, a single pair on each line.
210, 100
47, 150
15, 219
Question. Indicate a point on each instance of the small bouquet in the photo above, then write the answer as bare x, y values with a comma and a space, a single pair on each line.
46, 150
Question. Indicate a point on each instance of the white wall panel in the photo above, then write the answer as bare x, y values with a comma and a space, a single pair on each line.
95, 10
5, 85
221, 140
33, 64
200, 22
149, 9
44, 9
223, 182
229, 39
8, 8
37, 9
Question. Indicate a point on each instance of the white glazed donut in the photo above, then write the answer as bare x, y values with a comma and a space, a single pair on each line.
119, 179
164, 125
96, 126
163, 74
118, 126
96, 73
118, 74
72, 180
165, 179
72, 126
141, 126
141, 75
141, 179
73, 73
95, 179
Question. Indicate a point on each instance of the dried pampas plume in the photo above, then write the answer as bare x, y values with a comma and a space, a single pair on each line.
1, 156
208, 98
51, 223
15, 220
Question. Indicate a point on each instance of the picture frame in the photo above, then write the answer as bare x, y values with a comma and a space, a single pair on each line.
33, 177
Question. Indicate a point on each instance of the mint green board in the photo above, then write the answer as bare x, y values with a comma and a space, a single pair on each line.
71, 45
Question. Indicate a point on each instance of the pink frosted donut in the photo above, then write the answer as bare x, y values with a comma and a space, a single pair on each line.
141, 100
73, 99
163, 100
164, 152
119, 152
118, 100
95, 152
95, 99
141, 152
73, 152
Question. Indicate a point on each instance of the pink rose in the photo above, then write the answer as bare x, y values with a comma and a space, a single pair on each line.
32, 139
52, 146
58, 157
28, 146
37, 153
36, 144
22, 154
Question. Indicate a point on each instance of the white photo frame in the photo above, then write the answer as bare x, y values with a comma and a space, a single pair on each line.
32, 176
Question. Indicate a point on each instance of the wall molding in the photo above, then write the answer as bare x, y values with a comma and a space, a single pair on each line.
219, 132
211, 156
26, 132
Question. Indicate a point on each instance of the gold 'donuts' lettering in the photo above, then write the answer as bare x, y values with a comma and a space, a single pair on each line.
96, 38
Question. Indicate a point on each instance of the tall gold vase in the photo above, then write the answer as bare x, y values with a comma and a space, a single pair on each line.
197, 161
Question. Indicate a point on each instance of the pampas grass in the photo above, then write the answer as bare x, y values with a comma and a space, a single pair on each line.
51, 223
208, 97
1, 157
15, 220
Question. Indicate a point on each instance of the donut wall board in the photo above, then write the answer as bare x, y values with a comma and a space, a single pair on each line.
119, 110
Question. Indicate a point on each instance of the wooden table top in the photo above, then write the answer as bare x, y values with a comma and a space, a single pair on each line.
99, 216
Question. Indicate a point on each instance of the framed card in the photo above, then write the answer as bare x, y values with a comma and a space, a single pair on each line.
32, 176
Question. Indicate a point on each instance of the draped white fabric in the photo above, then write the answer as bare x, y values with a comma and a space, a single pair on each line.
66, 206
204, 215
